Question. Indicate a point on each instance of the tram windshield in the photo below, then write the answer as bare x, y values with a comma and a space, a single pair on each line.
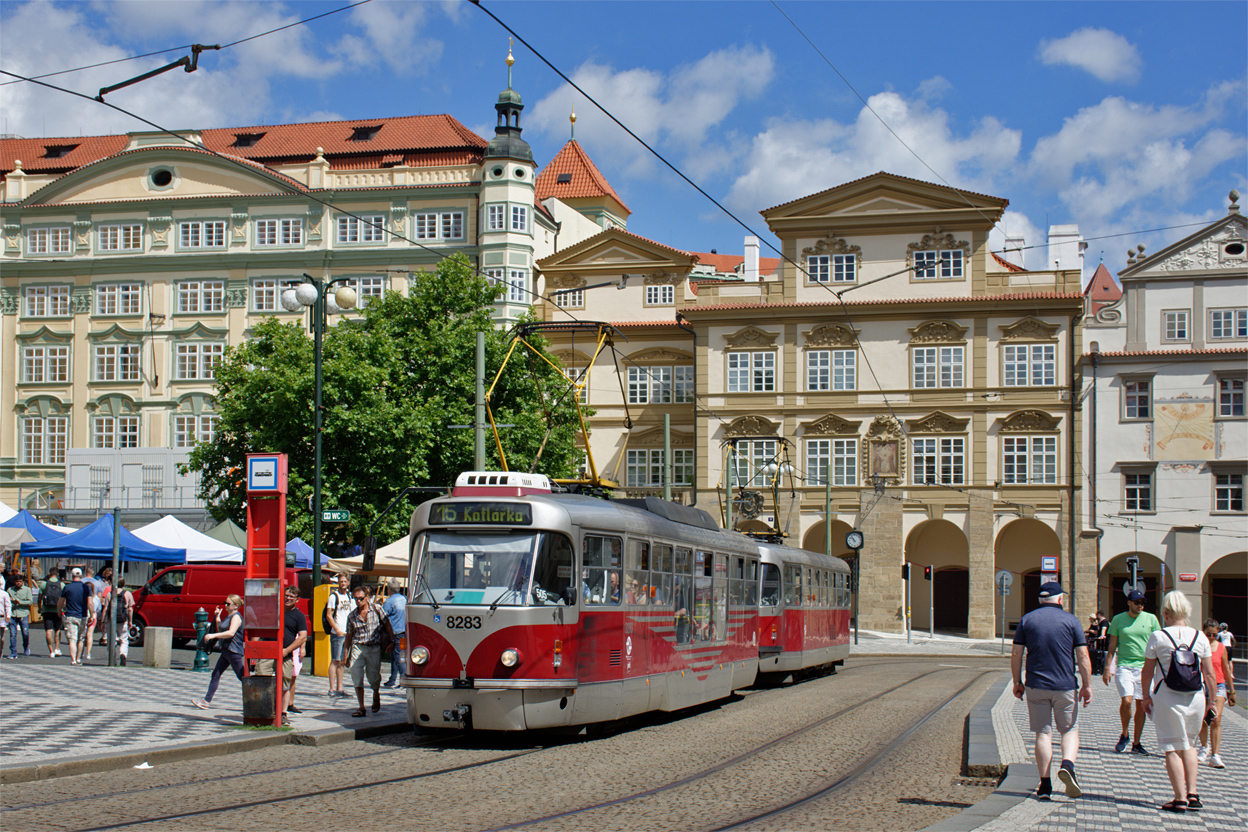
501, 570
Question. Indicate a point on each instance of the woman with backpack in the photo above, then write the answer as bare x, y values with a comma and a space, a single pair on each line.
121, 609
1177, 669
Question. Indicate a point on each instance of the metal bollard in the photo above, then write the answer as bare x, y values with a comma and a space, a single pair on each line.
201, 653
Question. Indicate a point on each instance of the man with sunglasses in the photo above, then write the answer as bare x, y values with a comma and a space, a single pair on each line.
1128, 635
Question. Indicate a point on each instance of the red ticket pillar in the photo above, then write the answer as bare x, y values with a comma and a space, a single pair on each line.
264, 577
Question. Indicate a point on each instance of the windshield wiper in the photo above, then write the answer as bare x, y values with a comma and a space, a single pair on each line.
513, 591
428, 589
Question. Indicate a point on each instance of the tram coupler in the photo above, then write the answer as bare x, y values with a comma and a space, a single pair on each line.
460, 714
200, 664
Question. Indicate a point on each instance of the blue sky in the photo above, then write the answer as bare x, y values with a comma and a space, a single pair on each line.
1119, 117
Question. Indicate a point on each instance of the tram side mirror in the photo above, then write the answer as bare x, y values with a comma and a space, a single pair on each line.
370, 554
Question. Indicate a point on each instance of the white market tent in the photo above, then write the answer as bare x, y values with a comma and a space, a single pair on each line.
6, 512
391, 561
200, 548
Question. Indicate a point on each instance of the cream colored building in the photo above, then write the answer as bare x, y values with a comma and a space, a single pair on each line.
891, 348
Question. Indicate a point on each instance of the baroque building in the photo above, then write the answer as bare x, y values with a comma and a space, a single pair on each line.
130, 262
1167, 433
892, 375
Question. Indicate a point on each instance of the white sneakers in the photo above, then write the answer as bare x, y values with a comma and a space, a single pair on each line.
1202, 754
1215, 761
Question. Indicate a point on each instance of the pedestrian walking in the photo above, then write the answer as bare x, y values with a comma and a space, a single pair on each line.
366, 627
49, 604
1226, 637
1054, 645
1211, 730
1128, 635
395, 609
121, 609
230, 634
6, 611
75, 608
1174, 697
337, 608
102, 584
21, 601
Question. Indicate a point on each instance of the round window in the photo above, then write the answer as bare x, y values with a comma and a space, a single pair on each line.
519, 173
162, 177
1234, 249
497, 172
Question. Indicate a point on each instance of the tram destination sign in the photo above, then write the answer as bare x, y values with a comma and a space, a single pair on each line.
480, 513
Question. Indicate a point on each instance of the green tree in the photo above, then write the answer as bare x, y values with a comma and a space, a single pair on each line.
393, 381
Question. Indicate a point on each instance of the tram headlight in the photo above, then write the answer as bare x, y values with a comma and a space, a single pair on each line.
510, 657
420, 655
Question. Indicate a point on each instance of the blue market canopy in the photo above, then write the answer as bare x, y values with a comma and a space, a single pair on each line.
303, 553
38, 531
96, 542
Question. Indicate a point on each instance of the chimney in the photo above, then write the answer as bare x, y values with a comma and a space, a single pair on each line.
751, 259
1014, 251
1066, 247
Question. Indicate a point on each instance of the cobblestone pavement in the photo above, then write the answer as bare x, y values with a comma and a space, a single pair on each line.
910, 789
54, 711
1121, 791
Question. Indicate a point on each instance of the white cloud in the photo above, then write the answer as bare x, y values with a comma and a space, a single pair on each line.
1119, 152
393, 33
675, 111
1015, 225
1105, 54
793, 158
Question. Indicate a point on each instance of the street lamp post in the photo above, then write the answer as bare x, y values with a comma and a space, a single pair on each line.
313, 293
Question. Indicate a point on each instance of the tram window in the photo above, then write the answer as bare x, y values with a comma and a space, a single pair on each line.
736, 595
490, 569
703, 609
792, 585
771, 585
720, 627
600, 578
809, 586
751, 582
638, 555
552, 576
818, 588
684, 561
705, 565
637, 573
682, 605
662, 558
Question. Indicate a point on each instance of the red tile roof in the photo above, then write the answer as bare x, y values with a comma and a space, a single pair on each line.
586, 180
423, 141
728, 263
883, 301
1102, 289
1001, 261
1171, 353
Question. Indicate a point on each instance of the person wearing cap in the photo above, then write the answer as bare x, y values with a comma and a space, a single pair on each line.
1129, 633
74, 609
1054, 644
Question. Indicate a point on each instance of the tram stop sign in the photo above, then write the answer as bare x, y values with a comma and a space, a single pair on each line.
1005, 579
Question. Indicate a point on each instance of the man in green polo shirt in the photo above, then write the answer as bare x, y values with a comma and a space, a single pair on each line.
1128, 635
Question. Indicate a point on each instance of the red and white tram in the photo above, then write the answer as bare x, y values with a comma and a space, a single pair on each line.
534, 609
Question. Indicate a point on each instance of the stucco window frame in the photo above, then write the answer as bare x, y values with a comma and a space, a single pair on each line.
1136, 469
1231, 467
1220, 376
1134, 378
1187, 326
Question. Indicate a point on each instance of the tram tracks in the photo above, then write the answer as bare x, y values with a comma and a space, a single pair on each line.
374, 783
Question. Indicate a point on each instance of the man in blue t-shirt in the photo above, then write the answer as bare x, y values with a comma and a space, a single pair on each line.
75, 609
1054, 643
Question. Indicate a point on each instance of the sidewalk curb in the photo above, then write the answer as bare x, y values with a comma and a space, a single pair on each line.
94, 763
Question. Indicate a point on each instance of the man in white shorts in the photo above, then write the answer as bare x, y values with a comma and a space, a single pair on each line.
1128, 636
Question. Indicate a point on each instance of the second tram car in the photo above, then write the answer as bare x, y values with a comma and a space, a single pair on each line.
533, 609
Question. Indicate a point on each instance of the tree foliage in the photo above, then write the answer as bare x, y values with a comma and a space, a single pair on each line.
393, 382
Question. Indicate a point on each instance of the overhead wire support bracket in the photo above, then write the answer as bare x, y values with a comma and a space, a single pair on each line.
190, 64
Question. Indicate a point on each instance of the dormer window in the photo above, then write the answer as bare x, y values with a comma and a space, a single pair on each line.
364, 134
57, 151
563, 179
247, 139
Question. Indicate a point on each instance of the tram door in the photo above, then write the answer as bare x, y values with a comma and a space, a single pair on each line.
600, 648
770, 616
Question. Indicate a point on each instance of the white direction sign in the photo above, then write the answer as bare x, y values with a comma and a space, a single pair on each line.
1128, 587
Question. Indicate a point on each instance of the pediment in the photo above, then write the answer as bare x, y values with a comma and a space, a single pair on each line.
199, 329
885, 427
1029, 329
1210, 253
661, 354
751, 426
571, 358
127, 178
751, 336
1030, 421
938, 332
831, 425
653, 438
938, 422
45, 333
832, 335
884, 193
615, 252
115, 332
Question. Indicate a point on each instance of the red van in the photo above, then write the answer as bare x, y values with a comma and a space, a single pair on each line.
173, 596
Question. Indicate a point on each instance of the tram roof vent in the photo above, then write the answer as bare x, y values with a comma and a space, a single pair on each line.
675, 512
500, 484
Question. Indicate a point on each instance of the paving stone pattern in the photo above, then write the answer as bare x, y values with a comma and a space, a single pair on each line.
52, 711
1125, 791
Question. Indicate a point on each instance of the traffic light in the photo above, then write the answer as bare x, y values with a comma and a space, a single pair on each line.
905, 571
1133, 570
927, 573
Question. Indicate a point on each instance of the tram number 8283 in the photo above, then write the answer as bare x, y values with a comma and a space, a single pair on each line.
463, 622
